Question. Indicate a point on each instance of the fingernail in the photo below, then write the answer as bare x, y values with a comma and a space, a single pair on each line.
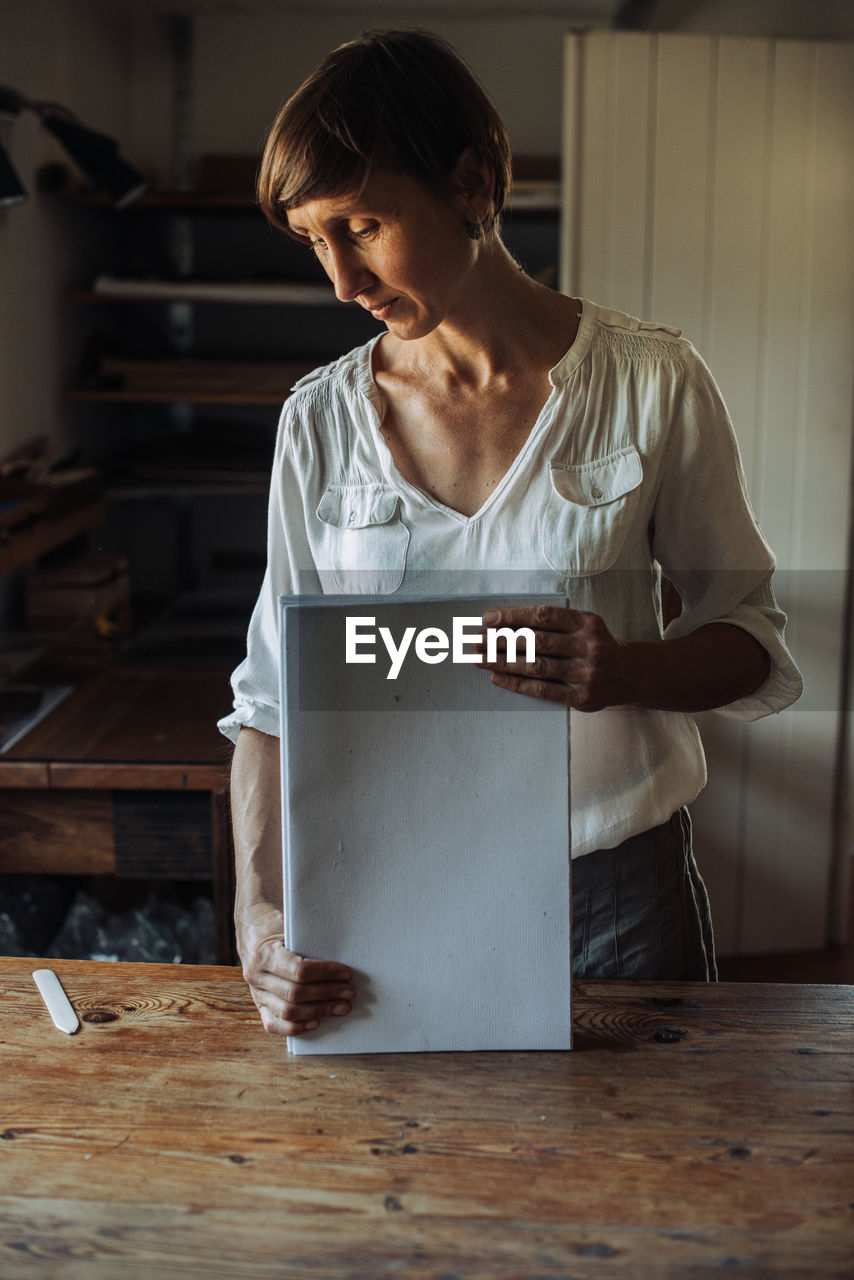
492, 616
309, 1026
499, 678
340, 1008
347, 993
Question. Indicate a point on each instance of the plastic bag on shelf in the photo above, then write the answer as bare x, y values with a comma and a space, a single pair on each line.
157, 932
33, 908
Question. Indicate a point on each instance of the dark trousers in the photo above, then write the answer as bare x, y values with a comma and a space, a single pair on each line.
640, 911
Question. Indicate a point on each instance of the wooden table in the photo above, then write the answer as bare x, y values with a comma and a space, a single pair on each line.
694, 1132
127, 777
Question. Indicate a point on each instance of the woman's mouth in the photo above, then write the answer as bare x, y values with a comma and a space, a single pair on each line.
383, 310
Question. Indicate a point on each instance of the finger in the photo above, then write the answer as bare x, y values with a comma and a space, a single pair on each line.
546, 617
542, 690
542, 668
314, 992
299, 1014
569, 642
561, 644
296, 1011
580, 697
302, 1001
300, 969
307, 970
279, 1027
274, 980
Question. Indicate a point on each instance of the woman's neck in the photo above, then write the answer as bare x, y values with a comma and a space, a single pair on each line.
505, 322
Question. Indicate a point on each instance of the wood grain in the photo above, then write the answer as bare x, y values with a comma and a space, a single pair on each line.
115, 776
126, 715
193, 381
126, 729
27, 774
47, 532
46, 833
695, 1131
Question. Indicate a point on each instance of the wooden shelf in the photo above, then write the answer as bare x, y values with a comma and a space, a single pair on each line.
534, 197
248, 293
47, 532
135, 718
188, 381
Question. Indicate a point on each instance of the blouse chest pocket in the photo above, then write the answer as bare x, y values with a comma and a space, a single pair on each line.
365, 541
590, 511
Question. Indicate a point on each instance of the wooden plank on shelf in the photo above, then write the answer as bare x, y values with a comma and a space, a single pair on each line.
76, 728
534, 196
139, 776
17, 774
135, 717
203, 374
51, 833
193, 381
299, 293
46, 533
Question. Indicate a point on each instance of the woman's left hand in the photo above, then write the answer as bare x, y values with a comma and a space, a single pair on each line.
580, 664
577, 660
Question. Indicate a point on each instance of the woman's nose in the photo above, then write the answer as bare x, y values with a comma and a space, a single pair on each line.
349, 276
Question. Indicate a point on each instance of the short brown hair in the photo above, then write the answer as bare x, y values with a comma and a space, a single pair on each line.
400, 100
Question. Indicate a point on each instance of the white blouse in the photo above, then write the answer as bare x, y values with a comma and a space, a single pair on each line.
630, 471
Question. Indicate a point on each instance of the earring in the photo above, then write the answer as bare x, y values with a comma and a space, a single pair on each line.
474, 229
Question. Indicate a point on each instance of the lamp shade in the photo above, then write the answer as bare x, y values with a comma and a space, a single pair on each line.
97, 155
12, 190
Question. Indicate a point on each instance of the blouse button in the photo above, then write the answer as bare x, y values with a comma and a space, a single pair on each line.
596, 492
351, 519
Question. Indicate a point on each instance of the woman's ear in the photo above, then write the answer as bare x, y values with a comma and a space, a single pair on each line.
472, 185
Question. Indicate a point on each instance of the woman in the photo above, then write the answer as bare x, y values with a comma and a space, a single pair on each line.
498, 425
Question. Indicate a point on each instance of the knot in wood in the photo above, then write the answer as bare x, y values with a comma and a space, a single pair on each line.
668, 1035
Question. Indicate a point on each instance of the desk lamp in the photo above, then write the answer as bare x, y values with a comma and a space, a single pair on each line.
12, 190
96, 154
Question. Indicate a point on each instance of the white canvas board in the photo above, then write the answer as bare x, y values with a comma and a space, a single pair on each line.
426, 838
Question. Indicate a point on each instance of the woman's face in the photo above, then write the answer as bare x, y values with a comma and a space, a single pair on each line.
396, 248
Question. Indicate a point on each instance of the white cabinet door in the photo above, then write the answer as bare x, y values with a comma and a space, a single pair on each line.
709, 183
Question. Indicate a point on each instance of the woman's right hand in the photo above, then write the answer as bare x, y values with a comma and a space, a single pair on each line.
292, 994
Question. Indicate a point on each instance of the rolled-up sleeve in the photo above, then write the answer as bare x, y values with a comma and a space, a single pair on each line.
709, 544
255, 682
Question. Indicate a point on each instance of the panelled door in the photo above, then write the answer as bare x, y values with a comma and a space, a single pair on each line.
709, 183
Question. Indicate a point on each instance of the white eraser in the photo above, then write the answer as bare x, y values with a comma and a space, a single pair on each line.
58, 1005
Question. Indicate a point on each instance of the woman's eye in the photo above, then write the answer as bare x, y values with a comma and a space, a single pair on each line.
318, 246
364, 232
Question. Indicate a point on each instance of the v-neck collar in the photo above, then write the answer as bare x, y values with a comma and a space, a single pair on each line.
558, 375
